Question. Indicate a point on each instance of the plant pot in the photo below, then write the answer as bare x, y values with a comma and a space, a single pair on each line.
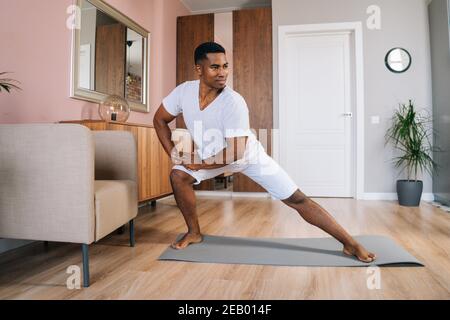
409, 192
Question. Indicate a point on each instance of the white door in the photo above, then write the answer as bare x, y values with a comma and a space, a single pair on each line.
316, 116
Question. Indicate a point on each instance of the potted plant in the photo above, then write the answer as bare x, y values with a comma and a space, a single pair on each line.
7, 84
411, 133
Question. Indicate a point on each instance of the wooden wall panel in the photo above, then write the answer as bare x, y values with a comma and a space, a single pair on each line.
191, 32
110, 56
253, 76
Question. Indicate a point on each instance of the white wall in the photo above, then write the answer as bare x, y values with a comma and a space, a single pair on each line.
404, 24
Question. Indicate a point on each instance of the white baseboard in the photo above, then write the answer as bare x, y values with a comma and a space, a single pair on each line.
231, 194
251, 194
212, 193
393, 196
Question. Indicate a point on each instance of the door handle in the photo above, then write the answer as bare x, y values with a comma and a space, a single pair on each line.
348, 114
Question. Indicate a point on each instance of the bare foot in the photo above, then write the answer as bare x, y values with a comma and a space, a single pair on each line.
360, 252
186, 240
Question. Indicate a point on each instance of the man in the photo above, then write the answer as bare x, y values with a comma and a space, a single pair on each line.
213, 110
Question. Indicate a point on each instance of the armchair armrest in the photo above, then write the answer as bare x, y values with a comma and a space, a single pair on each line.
115, 155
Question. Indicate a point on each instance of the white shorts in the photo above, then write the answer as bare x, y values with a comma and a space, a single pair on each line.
258, 166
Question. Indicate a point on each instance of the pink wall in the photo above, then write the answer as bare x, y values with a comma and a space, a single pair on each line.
36, 46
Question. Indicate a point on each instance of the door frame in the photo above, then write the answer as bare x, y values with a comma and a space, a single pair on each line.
356, 30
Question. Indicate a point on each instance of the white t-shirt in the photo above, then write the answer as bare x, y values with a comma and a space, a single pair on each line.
227, 116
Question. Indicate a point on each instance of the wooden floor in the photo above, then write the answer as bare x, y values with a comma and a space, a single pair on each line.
121, 272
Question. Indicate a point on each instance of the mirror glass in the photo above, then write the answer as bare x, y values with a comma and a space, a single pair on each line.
110, 56
398, 60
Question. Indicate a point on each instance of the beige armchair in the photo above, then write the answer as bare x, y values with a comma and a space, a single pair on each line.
65, 183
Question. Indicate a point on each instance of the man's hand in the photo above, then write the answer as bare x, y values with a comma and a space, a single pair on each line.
190, 160
176, 157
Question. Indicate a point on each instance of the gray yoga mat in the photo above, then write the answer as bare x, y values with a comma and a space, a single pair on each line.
324, 252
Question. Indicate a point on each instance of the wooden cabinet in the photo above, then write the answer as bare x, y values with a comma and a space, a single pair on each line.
154, 165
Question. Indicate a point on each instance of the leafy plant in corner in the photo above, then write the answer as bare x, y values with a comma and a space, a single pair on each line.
8, 84
411, 133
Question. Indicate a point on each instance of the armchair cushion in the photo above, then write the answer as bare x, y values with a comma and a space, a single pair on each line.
115, 205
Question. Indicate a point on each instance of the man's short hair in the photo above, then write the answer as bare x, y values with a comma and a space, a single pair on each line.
205, 48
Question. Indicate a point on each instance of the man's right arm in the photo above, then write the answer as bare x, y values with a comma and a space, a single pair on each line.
161, 123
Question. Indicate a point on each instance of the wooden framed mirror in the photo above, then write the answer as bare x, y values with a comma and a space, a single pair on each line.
109, 56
